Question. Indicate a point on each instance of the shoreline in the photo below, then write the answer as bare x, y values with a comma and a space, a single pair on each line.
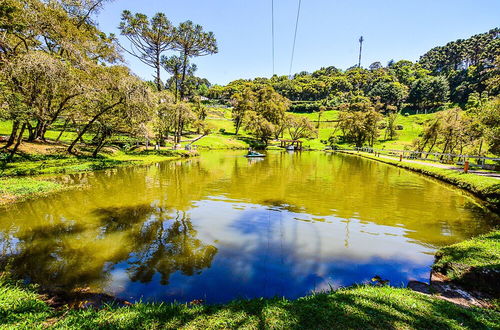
22, 187
486, 189
80, 303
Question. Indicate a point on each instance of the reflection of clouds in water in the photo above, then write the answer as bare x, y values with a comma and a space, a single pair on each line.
242, 230
327, 285
118, 281
263, 252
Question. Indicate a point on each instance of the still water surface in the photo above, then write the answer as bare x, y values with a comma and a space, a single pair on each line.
221, 226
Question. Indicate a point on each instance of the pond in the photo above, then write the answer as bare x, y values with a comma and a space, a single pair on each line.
220, 226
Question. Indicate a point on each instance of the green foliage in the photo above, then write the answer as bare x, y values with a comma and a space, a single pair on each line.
469, 65
429, 92
359, 127
389, 93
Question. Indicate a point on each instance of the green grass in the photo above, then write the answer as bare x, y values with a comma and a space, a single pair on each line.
365, 307
21, 307
488, 189
412, 128
220, 119
15, 189
474, 263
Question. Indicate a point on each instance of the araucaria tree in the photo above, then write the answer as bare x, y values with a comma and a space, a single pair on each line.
192, 41
149, 39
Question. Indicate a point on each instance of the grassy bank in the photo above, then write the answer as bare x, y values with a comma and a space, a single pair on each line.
15, 185
488, 189
474, 263
16, 189
356, 307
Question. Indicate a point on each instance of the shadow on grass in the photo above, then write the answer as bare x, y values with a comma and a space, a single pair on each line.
360, 307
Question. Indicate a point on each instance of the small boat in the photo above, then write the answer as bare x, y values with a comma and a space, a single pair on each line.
254, 154
290, 148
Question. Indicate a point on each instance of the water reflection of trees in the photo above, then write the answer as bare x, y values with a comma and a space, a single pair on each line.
165, 247
67, 254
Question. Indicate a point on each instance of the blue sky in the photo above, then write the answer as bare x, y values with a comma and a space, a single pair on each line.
328, 31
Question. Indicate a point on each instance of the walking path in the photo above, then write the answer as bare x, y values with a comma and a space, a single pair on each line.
495, 175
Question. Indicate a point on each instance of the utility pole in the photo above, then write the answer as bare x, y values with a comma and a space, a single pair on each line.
360, 49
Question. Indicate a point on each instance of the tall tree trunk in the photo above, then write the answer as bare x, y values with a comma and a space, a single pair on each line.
238, 124
13, 134
31, 130
184, 69
101, 144
19, 139
157, 65
176, 81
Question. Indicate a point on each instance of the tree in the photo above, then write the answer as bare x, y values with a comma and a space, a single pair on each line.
389, 93
259, 126
489, 116
174, 66
429, 92
243, 102
299, 127
359, 127
391, 117
430, 135
375, 66
83, 10
116, 94
192, 41
272, 107
149, 39
176, 117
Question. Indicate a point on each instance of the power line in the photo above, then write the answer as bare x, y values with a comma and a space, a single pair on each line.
272, 29
294, 38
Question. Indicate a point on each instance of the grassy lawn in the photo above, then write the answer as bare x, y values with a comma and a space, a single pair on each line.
222, 136
15, 189
365, 307
474, 263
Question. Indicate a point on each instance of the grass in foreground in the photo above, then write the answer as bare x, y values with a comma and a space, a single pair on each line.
351, 308
474, 263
